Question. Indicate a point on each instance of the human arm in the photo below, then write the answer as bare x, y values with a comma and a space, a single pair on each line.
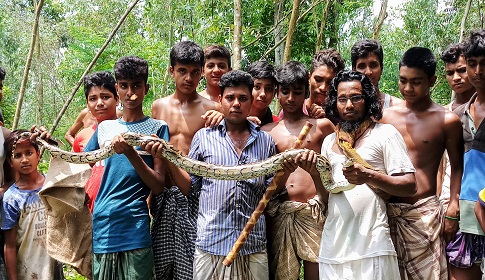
75, 127
308, 161
180, 177
455, 150
316, 111
11, 253
399, 184
212, 118
153, 178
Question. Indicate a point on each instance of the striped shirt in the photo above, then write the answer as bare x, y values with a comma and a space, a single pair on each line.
225, 206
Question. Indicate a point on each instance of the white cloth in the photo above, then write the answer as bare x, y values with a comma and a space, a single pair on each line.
387, 101
365, 269
356, 226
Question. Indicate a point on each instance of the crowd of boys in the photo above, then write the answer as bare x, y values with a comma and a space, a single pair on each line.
405, 212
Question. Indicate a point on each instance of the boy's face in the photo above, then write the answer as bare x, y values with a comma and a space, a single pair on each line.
236, 104
214, 68
25, 158
457, 77
475, 68
102, 103
263, 93
371, 67
292, 97
131, 92
186, 77
348, 109
414, 84
320, 80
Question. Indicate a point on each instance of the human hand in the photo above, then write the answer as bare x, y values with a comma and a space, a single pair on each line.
121, 147
39, 132
254, 119
212, 118
451, 226
355, 173
316, 111
307, 160
155, 148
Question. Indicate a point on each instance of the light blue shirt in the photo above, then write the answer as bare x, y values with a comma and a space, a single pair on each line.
226, 206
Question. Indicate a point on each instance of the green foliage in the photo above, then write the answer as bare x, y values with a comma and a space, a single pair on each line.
72, 31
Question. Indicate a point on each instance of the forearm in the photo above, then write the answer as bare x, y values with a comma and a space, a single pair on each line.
319, 187
453, 209
403, 185
180, 177
10, 257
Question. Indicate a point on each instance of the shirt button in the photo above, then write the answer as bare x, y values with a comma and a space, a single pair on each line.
235, 228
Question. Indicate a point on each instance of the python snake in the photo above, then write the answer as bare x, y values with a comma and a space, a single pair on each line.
199, 168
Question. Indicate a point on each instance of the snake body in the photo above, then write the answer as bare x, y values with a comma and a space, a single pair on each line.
199, 168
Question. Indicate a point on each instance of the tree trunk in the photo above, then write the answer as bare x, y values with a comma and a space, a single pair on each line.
90, 66
40, 92
279, 11
463, 20
37, 9
380, 19
166, 76
291, 30
320, 37
236, 43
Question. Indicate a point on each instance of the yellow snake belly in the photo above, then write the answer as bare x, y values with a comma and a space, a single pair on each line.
199, 168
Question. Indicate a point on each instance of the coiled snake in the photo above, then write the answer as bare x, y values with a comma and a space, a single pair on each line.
199, 168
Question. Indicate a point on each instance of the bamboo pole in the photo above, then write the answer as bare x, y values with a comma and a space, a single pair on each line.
263, 202
23, 85
90, 66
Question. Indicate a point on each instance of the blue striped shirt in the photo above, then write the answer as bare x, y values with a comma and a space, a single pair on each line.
225, 206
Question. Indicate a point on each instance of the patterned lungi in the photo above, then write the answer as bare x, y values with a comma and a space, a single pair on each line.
173, 233
416, 231
296, 229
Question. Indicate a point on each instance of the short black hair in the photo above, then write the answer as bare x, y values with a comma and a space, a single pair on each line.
187, 52
293, 72
373, 105
14, 138
452, 53
420, 58
101, 79
262, 70
474, 45
362, 49
131, 68
236, 78
213, 51
2, 73
328, 57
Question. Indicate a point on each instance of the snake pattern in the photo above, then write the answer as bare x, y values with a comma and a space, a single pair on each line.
199, 168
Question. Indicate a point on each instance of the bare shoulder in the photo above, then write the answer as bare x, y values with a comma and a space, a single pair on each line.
270, 126
208, 104
6, 132
395, 101
390, 114
451, 118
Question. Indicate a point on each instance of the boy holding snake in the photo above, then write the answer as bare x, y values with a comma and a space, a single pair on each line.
121, 224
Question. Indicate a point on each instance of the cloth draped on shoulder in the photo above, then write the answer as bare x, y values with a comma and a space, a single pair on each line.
69, 225
416, 231
297, 230
346, 141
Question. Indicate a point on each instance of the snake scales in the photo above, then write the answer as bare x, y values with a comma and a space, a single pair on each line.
199, 168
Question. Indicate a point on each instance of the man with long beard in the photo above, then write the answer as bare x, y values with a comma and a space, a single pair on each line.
356, 241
